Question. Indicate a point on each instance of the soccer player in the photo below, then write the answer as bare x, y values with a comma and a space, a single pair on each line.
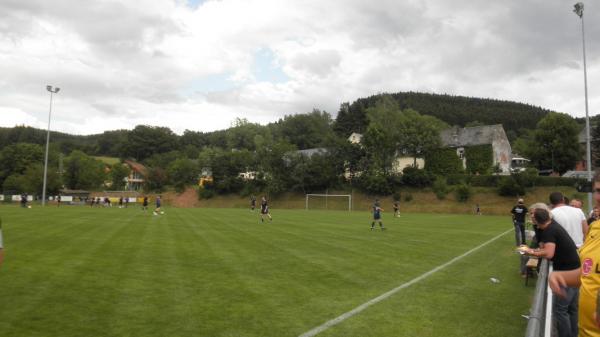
58, 200
158, 204
252, 203
264, 210
145, 204
126, 202
377, 215
121, 202
477, 209
396, 208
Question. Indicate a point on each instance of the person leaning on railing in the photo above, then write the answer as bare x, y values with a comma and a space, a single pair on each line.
556, 245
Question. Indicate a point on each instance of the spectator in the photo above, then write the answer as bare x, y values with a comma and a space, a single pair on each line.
557, 246
518, 216
587, 278
576, 203
570, 218
593, 217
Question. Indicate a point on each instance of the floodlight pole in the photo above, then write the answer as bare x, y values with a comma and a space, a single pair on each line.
52, 91
579, 11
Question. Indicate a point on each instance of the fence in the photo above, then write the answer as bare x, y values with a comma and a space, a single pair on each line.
540, 316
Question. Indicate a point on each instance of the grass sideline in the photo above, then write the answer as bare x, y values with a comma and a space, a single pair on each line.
423, 201
76, 271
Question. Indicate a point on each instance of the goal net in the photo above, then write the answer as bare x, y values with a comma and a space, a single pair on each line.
338, 202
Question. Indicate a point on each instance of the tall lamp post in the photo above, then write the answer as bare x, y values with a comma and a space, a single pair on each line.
579, 11
52, 91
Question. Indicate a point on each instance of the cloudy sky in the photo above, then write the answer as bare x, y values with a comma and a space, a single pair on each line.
200, 64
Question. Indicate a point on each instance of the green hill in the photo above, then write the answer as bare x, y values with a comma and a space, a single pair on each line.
454, 110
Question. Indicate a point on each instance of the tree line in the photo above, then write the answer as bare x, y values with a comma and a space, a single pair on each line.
390, 128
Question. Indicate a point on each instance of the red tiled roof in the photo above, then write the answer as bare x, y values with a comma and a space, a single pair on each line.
135, 166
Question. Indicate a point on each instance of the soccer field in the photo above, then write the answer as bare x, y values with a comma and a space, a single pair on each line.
78, 271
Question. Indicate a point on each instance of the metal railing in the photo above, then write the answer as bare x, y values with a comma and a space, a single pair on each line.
541, 306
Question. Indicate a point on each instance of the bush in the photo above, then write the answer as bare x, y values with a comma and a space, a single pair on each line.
397, 196
440, 188
415, 177
510, 187
463, 192
408, 197
205, 193
458, 179
375, 183
443, 161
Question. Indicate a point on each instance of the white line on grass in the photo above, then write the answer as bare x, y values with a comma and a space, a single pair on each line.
360, 308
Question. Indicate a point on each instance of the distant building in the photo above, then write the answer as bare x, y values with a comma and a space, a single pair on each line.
400, 161
494, 135
518, 163
355, 138
137, 175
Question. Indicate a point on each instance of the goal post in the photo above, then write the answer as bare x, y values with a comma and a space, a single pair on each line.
328, 199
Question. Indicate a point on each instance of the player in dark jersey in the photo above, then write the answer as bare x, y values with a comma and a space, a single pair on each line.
157, 210
252, 203
121, 202
264, 209
396, 208
145, 204
376, 209
58, 200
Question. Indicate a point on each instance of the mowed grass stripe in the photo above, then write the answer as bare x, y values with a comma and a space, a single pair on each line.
51, 267
459, 301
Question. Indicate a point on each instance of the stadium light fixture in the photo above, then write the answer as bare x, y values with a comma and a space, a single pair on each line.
579, 11
52, 91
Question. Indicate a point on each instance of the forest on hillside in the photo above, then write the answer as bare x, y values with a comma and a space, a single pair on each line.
405, 123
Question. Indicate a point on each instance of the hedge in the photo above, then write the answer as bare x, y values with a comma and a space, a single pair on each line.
525, 180
443, 162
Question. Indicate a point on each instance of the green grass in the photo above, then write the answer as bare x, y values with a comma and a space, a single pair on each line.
78, 271
108, 160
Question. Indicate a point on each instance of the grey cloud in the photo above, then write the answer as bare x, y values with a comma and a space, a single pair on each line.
319, 63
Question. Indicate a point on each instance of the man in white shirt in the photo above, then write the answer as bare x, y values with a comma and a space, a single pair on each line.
570, 218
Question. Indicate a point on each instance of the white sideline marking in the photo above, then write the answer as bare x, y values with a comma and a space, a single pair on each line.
360, 308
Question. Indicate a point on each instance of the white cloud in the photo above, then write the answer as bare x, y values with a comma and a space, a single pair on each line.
125, 63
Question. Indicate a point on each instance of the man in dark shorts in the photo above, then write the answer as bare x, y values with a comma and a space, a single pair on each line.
121, 202
145, 204
518, 216
264, 210
58, 200
396, 208
157, 210
558, 246
376, 209
252, 203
